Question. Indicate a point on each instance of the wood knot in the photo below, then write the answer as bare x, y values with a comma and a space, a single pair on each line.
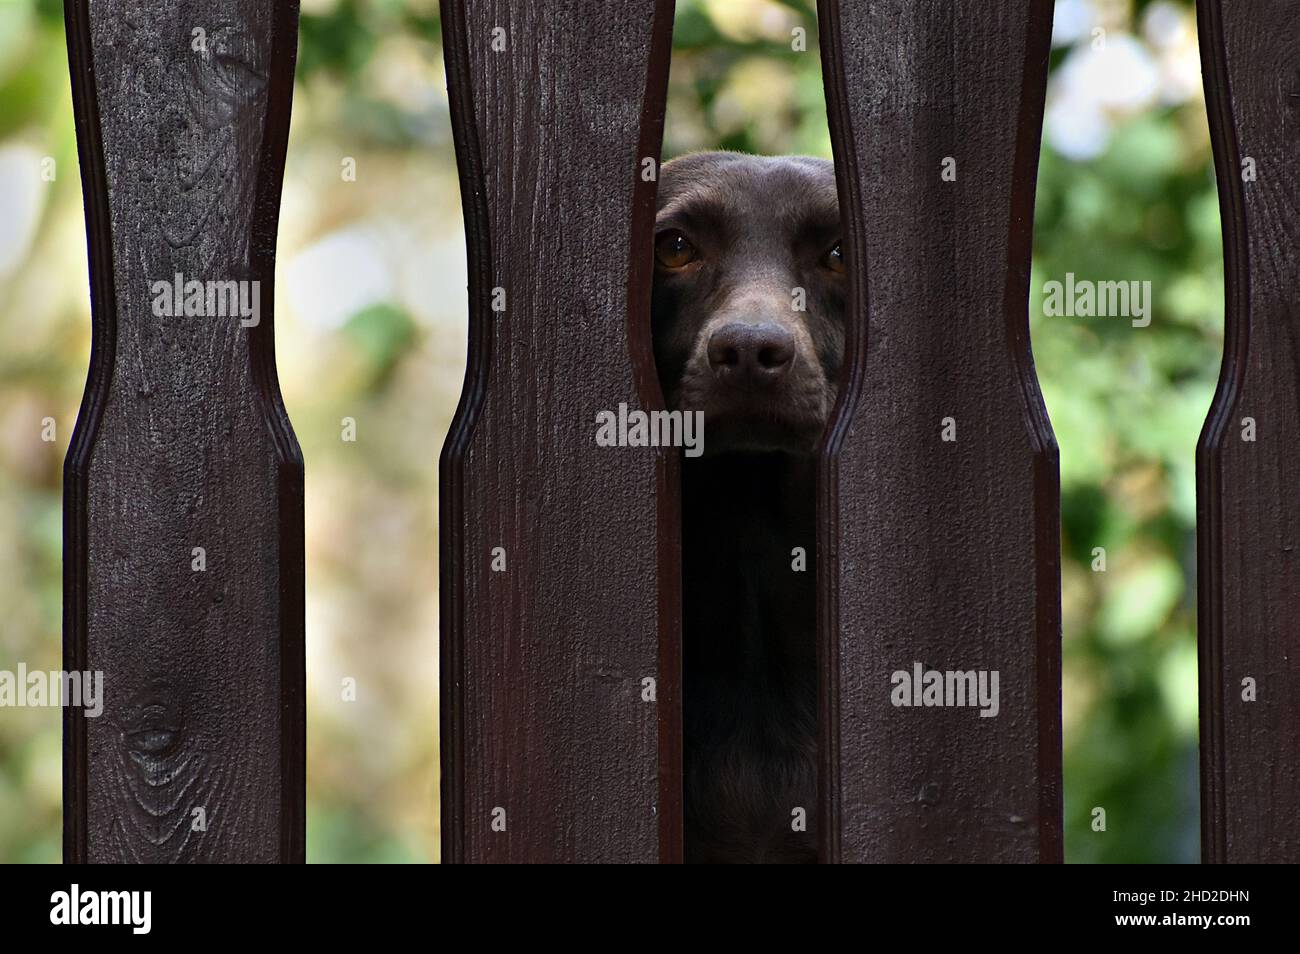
153, 723
227, 72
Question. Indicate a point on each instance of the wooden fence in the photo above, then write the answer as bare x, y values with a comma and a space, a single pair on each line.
560, 585
933, 551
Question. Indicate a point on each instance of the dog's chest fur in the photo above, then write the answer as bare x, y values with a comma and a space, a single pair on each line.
750, 658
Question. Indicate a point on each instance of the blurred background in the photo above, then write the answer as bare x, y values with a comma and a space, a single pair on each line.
372, 322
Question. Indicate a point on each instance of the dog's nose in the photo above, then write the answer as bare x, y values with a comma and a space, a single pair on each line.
751, 355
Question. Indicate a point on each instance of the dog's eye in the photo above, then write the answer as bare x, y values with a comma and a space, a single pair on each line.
835, 259
674, 250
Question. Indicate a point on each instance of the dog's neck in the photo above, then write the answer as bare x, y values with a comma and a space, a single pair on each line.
750, 599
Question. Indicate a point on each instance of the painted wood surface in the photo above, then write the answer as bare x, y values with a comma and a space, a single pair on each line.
939, 500
1248, 459
183, 521
561, 734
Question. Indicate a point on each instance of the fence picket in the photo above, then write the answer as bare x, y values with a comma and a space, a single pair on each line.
939, 495
183, 536
560, 589
1248, 458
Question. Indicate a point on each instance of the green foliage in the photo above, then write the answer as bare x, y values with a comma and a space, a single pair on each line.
382, 332
1127, 406
737, 82
341, 40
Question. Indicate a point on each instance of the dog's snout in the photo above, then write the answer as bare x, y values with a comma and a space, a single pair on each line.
751, 355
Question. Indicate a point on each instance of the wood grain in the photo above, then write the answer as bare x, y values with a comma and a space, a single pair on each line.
183, 442
545, 730
1248, 495
933, 552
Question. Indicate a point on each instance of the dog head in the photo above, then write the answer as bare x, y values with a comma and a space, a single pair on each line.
749, 289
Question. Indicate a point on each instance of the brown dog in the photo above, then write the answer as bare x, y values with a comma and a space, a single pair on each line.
748, 320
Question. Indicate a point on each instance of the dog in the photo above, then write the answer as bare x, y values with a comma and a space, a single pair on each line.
747, 319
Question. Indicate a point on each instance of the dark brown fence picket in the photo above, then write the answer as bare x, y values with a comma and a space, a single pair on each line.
182, 445
560, 588
1248, 459
937, 552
